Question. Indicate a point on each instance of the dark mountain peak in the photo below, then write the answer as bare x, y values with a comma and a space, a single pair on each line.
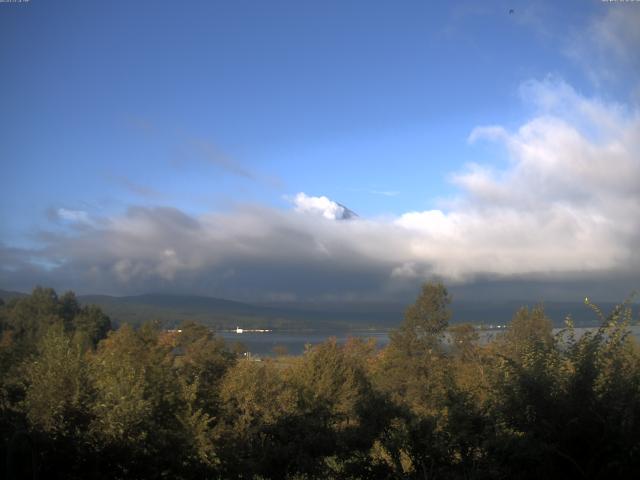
347, 213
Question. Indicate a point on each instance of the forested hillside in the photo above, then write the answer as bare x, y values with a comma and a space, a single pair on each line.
80, 400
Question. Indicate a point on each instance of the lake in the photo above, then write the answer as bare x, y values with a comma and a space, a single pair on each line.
262, 344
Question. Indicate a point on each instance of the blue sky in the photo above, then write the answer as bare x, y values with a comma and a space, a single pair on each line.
208, 107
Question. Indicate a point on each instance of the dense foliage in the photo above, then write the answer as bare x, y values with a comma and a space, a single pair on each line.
80, 400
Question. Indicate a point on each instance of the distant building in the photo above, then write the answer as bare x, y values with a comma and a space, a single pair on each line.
254, 330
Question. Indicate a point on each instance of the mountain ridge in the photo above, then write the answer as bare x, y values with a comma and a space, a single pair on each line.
172, 309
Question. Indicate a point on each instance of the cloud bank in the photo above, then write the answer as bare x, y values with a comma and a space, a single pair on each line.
564, 206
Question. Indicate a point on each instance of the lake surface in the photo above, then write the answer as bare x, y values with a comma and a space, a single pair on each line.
263, 344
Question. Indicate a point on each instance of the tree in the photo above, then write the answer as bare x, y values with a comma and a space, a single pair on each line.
57, 402
135, 428
122, 408
256, 403
92, 323
411, 368
57, 386
528, 332
464, 341
68, 307
424, 322
30, 317
567, 406
203, 361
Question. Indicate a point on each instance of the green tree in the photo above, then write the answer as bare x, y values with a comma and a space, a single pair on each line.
203, 361
135, 426
529, 331
91, 323
57, 386
568, 406
57, 402
411, 368
68, 307
29, 317
257, 406
424, 322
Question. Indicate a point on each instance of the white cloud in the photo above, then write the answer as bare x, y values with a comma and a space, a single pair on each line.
322, 206
568, 201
